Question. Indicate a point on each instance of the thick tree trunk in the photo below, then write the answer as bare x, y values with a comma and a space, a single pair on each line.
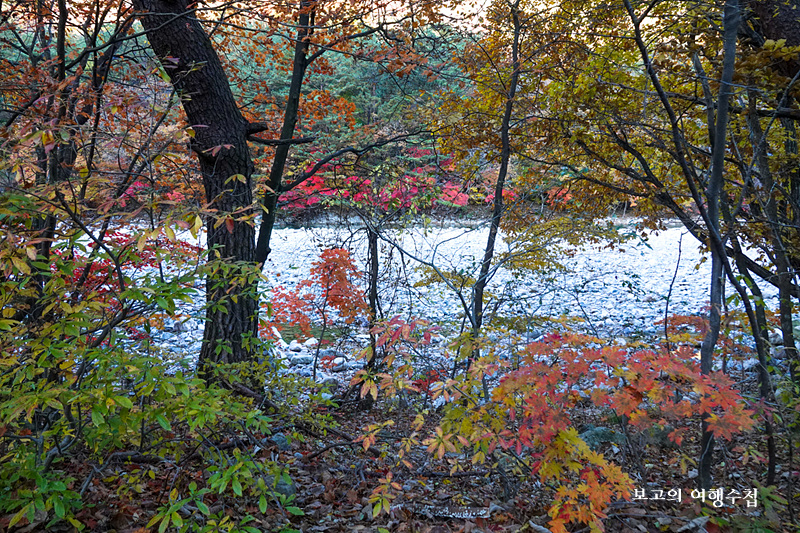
777, 19
220, 141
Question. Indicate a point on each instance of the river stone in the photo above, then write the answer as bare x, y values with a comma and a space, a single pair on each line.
287, 489
276, 354
295, 346
299, 360
281, 442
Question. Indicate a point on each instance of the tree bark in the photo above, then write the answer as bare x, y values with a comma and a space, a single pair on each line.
220, 141
713, 193
498, 207
777, 19
290, 114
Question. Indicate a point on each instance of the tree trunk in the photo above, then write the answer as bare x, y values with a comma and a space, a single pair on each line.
498, 207
713, 195
760, 335
220, 141
777, 19
290, 114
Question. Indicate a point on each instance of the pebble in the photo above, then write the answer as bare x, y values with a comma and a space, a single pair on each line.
339, 364
299, 360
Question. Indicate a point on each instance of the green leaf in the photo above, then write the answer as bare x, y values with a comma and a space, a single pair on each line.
262, 504
296, 511
164, 525
237, 487
123, 401
58, 507
203, 508
97, 418
163, 422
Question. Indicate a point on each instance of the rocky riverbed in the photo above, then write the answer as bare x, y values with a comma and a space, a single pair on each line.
618, 292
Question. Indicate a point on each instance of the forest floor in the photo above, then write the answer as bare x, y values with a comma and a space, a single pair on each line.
333, 477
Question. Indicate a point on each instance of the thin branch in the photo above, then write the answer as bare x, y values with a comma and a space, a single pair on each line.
281, 142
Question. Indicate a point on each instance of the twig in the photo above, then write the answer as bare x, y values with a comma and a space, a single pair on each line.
135, 457
669, 294
345, 436
88, 480
471, 473
279, 142
328, 447
246, 391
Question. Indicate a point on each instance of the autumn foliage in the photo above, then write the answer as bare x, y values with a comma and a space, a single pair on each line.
539, 403
515, 118
329, 294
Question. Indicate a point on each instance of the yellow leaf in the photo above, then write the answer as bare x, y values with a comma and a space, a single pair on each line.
198, 224
17, 517
21, 265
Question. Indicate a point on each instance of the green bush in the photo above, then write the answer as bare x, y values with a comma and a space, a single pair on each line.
87, 399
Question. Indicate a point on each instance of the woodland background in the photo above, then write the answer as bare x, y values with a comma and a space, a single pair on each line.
128, 128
